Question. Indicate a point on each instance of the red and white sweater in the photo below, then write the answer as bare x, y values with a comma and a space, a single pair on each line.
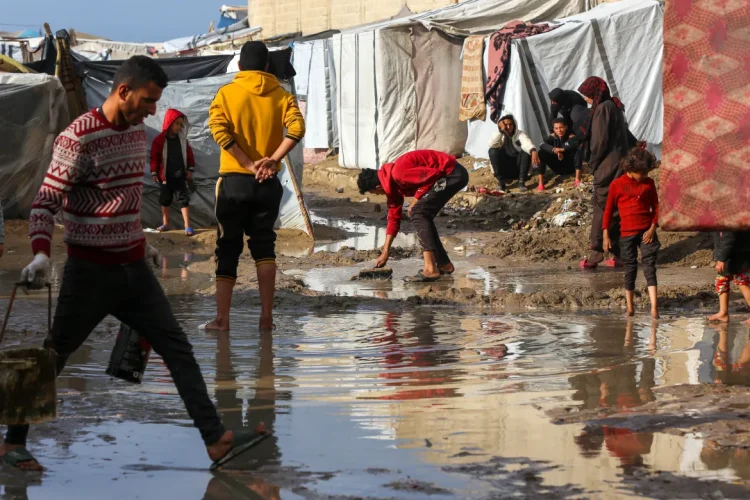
96, 177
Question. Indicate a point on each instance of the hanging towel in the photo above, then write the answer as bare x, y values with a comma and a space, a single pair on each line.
705, 170
499, 60
472, 85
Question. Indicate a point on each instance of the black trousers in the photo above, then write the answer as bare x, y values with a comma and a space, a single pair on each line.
599, 203
649, 252
424, 212
168, 192
566, 166
245, 206
131, 293
508, 167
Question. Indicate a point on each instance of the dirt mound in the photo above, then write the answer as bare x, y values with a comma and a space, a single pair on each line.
670, 297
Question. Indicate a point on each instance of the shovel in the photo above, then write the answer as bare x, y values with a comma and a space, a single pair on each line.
28, 392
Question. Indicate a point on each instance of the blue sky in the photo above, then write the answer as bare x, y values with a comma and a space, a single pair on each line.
127, 21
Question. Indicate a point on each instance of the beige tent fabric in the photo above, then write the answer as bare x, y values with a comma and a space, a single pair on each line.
397, 101
472, 84
437, 65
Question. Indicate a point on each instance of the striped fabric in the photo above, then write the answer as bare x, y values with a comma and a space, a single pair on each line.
96, 178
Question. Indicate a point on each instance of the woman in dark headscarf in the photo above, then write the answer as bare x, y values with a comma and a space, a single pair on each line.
606, 132
571, 107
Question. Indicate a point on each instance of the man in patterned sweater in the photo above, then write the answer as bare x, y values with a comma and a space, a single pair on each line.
96, 178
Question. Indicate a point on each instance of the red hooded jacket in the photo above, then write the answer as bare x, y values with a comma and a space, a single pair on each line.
412, 174
159, 146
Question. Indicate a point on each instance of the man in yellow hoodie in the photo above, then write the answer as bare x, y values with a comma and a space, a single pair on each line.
256, 123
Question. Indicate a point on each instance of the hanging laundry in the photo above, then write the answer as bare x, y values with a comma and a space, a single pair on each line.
705, 180
472, 86
499, 60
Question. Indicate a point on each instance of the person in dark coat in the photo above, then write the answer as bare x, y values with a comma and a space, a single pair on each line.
732, 255
606, 133
558, 152
568, 105
571, 107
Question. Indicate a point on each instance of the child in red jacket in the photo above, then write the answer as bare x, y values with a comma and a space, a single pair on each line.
172, 167
634, 196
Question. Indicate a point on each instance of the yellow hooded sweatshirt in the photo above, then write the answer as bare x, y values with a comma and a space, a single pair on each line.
253, 112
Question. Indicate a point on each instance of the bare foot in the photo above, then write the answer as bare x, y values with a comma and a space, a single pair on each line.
629, 314
719, 318
216, 326
655, 314
266, 324
226, 442
221, 447
31, 465
448, 269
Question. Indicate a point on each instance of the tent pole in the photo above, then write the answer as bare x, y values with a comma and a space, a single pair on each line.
300, 199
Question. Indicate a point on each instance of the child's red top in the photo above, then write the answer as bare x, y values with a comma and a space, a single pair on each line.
637, 202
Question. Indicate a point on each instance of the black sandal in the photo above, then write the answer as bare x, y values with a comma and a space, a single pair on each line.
421, 278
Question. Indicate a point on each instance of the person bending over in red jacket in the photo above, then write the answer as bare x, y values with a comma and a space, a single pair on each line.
432, 178
634, 196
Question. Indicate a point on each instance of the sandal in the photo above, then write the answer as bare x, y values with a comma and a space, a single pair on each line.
243, 440
189, 231
18, 456
163, 228
421, 278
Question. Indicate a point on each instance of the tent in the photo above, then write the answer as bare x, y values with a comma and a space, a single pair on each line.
34, 111
315, 86
399, 81
193, 97
238, 30
620, 42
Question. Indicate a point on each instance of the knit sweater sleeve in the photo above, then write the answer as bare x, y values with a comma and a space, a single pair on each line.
65, 171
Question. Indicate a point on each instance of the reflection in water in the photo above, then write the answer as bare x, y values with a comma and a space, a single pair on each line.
363, 398
366, 236
731, 362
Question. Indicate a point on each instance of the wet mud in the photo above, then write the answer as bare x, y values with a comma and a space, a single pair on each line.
516, 377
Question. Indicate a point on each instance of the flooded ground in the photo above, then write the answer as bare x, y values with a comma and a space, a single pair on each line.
378, 404
517, 377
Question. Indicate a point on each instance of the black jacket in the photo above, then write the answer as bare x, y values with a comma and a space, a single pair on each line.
554, 141
732, 246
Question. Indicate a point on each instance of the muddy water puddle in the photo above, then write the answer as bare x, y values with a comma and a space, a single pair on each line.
378, 404
483, 279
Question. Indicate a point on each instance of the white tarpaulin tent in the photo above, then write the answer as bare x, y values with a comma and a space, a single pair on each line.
315, 85
34, 109
194, 98
620, 42
399, 83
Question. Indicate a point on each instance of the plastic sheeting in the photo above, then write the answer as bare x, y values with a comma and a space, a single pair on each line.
397, 97
177, 68
240, 29
194, 99
354, 55
437, 67
483, 16
410, 98
33, 110
620, 42
315, 84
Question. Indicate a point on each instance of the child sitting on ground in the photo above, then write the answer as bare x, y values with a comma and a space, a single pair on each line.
558, 152
732, 254
634, 196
